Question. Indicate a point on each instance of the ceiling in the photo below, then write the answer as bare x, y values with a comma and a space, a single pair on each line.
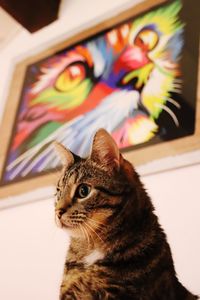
32, 14
12, 15
9, 28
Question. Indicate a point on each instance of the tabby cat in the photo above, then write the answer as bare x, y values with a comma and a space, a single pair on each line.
118, 249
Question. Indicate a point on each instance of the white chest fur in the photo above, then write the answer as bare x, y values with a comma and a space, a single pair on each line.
93, 257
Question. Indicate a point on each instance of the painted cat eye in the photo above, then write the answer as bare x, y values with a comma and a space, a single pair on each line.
83, 191
73, 75
146, 39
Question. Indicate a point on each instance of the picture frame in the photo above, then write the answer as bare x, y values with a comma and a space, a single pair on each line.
186, 141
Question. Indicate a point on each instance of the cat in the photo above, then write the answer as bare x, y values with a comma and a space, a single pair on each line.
118, 250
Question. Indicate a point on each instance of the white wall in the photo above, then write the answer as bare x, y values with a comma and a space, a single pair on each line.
32, 249
176, 196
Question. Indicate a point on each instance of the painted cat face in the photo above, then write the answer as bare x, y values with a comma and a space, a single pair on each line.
121, 80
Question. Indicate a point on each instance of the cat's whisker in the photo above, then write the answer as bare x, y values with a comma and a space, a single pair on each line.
96, 222
176, 90
177, 84
169, 111
178, 80
101, 213
81, 229
85, 233
97, 226
174, 102
92, 229
88, 233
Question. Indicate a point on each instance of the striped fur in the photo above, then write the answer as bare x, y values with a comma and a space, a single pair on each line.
114, 228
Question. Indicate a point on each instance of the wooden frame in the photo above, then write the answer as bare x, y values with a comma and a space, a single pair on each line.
138, 156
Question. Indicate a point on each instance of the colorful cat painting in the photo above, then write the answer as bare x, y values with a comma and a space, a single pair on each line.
125, 80
118, 250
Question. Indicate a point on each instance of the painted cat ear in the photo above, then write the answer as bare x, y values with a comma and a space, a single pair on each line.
105, 150
65, 155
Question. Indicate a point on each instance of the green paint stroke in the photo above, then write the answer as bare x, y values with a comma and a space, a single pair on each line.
66, 100
43, 132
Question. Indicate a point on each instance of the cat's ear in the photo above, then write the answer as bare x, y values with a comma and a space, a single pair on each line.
66, 156
105, 151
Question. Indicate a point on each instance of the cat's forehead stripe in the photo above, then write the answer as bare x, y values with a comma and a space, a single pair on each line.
72, 177
72, 174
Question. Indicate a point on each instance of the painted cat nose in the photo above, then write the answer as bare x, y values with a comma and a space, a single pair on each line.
60, 212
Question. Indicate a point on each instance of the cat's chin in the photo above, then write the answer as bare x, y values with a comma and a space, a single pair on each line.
62, 224
72, 232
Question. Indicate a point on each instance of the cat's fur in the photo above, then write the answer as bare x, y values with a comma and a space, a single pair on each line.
118, 249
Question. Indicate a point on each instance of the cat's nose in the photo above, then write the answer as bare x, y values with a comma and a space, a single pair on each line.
60, 212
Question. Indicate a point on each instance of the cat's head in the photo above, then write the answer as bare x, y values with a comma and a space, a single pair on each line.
91, 191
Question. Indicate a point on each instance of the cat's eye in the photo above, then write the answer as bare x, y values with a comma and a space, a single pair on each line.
72, 76
83, 191
58, 193
146, 39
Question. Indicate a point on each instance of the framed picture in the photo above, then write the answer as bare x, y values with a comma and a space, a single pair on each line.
134, 75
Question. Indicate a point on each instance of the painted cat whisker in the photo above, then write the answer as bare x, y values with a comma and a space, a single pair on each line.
177, 85
174, 102
179, 80
176, 90
169, 111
